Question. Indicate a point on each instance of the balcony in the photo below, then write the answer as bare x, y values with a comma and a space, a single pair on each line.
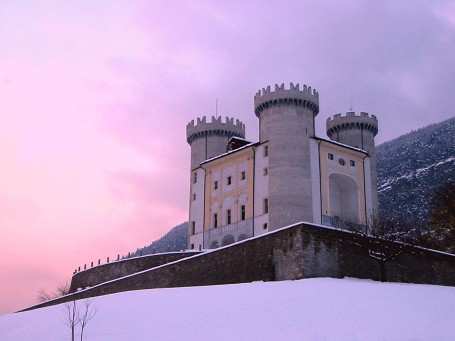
228, 234
343, 224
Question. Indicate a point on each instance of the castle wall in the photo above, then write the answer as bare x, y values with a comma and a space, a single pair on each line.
196, 217
316, 181
109, 271
261, 190
198, 151
229, 197
358, 130
363, 139
298, 251
288, 129
332, 167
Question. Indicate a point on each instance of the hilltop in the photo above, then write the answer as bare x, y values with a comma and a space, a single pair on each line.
309, 309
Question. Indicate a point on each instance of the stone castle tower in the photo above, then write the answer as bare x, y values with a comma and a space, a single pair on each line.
286, 120
359, 131
209, 139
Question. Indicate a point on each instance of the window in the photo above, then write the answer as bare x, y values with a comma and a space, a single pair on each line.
341, 162
243, 175
352, 162
266, 205
265, 226
192, 246
228, 217
229, 180
215, 185
193, 228
215, 220
194, 196
266, 151
242, 212
330, 156
266, 171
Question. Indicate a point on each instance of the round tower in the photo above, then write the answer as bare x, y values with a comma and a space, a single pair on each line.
358, 130
209, 139
286, 121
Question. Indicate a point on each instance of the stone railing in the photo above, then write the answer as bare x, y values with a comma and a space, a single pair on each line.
343, 224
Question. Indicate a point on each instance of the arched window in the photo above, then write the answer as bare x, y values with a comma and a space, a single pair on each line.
343, 198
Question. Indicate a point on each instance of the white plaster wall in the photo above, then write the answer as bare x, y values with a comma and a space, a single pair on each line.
315, 181
242, 167
228, 171
228, 203
196, 212
356, 173
216, 176
369, 191
261, 190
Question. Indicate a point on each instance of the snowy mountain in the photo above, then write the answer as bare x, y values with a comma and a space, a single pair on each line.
309, 309
174, 240
411, 167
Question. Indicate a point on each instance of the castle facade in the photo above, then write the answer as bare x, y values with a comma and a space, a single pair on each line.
241, 189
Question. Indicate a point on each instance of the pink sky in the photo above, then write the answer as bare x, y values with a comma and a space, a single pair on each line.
95, 96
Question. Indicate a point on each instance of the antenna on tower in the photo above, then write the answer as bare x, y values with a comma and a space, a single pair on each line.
216, 107
350, 103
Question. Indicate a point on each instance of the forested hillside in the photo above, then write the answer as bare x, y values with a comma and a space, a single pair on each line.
412, 167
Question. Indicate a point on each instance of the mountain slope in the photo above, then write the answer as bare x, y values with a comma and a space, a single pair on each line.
411, 167
309, 309
174, 240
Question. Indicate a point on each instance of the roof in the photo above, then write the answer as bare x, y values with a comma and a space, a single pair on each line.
341, 145
252, 144
238, 138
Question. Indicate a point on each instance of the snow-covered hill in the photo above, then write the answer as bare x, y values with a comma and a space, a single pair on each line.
310, 309
410, 169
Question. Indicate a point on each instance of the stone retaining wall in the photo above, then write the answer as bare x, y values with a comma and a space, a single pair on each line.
298, 251
109, 271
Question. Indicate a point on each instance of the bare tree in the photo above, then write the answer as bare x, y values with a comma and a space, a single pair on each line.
382, 231
86, 315
440, 234
62, 290
72, 317
43, 296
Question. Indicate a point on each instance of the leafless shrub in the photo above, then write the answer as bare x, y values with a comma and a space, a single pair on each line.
72, 317
87, 313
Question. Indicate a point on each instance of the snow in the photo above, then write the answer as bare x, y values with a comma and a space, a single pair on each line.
387, 184
309, 309
229, 152
136, 257
342, 144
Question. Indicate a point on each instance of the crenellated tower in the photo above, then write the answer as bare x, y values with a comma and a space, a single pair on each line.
358, 130
286, 121
209, 139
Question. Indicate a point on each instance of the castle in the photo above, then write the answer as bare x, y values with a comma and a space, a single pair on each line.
241, 189
291, 184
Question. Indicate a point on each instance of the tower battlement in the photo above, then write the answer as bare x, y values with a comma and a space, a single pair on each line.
217, 126
352, 120
294, 95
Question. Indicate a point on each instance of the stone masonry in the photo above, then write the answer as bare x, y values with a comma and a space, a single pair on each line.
286, 120
299, 251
